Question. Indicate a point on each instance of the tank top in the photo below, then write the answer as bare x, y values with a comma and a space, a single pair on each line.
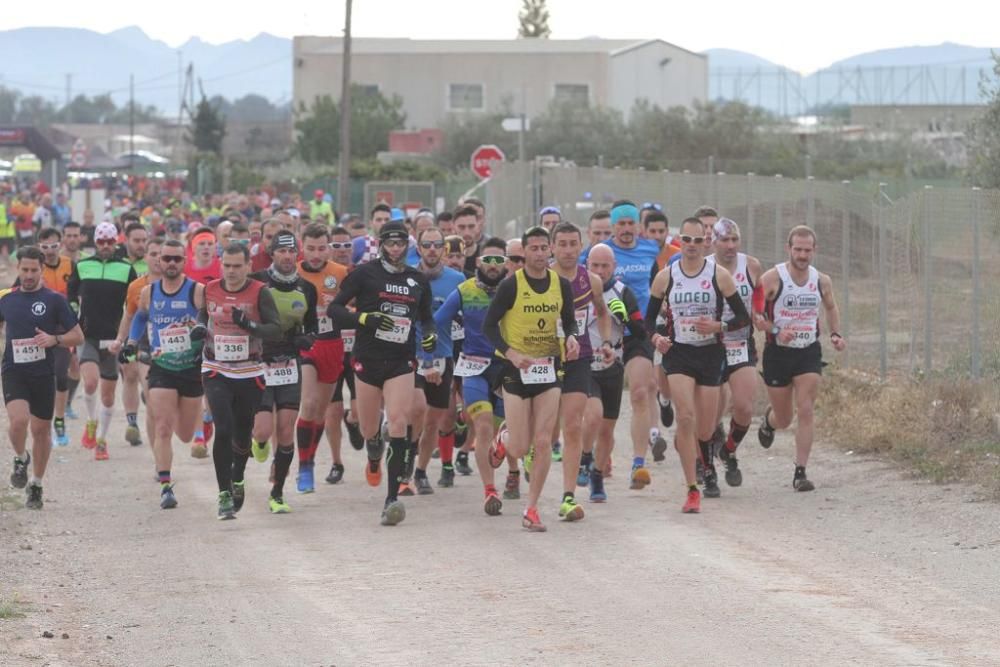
691, 298
530, 326
796, 308
327, 283
583, 309
230, 350
171, 318
56, 278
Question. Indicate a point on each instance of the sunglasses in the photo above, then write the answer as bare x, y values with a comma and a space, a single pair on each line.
340, 245
49, 246
427, 245
697, 240
517, 259
105, 242
395, 243
170, 259
495, 260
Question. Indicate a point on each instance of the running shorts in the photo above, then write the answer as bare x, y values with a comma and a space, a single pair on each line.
346, 377
752, 354
438, 395
282, 396
376, 372
704, 363
781, 364
38, 390
510, 380
576, 378
634, 347
186, 383
478, 393
327, 356
107, 363
608, 386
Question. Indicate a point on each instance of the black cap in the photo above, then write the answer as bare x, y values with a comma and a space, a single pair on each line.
284, 239
394, 230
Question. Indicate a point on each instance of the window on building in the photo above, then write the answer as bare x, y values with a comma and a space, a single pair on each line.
574, 93
365, 89
466, 97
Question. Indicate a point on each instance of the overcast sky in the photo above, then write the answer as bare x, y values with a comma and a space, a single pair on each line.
800, 35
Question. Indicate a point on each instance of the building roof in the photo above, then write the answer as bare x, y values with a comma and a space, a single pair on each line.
318, 45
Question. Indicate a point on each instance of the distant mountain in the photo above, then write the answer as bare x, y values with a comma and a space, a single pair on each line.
909, 56
731, 58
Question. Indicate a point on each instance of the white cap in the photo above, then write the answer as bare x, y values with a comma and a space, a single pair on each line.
105, 231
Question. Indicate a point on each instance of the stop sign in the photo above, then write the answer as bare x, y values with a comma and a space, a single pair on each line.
483, 159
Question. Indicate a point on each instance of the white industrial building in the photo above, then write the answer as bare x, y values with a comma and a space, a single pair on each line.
436, 78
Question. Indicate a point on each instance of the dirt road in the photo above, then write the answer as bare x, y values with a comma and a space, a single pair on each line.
872, 568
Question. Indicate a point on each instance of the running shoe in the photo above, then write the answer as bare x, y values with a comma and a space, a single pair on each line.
305, 482
447, 477
89, 438
557, 451
336, 474
570, 510
34, 500
354, 433
733, 475
260, 450
393, 512
765, 434
61, 439
640, 478
498, 448
531, 521
659, 447
278, 505
492, 504
373, 471
405, 489
512, 487
693, 503
436, 454
198, 449
132, 436
226, 510
597, 493
462, 463
800, 482
19, 478
423, 484
101, 450
168, 500
712, 489
583, 476
71, 413
666, 412
239, 494
528, 459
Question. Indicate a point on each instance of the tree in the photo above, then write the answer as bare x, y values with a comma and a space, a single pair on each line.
463, 133
984, 133
373, 116
208, 128
580, 133
534, 18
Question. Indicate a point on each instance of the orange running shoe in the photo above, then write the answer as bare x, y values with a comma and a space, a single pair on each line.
693, 504
640, 478
493, 504
373, 472
101, 450
531, 521
498, 450
89, 438
405, 489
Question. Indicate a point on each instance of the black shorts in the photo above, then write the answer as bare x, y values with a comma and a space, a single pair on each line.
107, 363
752, 356
510, 380
576, 378
438, 395
635, 347
186, 383
38, 390
60, 359
704, 363
377, 372
608, 386
346, 377
781, 364
282, 396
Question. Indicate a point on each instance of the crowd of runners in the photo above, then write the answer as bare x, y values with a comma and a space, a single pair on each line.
252, 326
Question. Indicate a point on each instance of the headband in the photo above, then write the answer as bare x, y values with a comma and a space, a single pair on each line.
201, 236
726, 227
623, 211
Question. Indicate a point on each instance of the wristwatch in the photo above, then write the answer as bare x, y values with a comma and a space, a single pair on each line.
775, 330
725, 327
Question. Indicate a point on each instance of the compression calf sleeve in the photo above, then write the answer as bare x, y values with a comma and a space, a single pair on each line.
283, 457
396, 462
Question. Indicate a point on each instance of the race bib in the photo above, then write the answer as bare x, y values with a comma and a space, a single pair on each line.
598, 363
347, 335
737, 352
582, 317
232, 348
438, 365
469, 366
399, 333
175, 339
457, 331
279, 373
325, 324
687, 332
805, 335
105, 344
26, 233
542, 371
26, 351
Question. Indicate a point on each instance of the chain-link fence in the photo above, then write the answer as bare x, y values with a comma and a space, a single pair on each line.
916, 278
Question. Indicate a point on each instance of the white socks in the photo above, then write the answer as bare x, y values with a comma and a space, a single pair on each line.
105, 422
90, 400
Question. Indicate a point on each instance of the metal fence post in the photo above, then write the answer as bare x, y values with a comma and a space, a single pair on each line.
810, 202
925, 236
976, 352
845, 268
749, 225
778, 204
883, 291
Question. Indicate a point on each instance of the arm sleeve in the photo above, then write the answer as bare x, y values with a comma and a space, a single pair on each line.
425, 310
757, 302
67, 318
741, 317
139, 321
652, 312
447, 312
269, 327
567, 315
73, 286
502, 302
636, 322
310, 323
337, 310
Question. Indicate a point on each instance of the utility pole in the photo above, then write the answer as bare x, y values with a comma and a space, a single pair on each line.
131, 122
343, 173
69, 93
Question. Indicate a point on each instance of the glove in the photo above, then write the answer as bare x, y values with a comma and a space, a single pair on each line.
198, 332
303, 341
127, 354
75, 307
618, 309
375, 321
429, 342
241, 320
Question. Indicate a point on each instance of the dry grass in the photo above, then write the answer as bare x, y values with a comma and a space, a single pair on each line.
945, 429
10, 609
